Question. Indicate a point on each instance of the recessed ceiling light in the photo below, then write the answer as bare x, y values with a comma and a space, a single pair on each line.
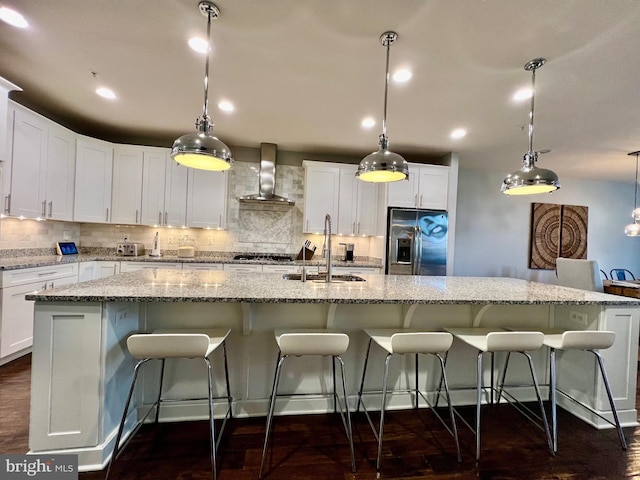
522, 94
199, 45
458, 133
368, 122
401, 76
106, 93
13, 18
226, 106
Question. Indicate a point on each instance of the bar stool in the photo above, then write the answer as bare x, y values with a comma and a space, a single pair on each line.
311, 342
590, 341
411, 342
492, 340
163, 344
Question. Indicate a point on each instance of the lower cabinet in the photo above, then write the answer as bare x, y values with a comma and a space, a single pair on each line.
280, 269
357, 270
97, 269
202, 266
135, 266
16, 314
237, 267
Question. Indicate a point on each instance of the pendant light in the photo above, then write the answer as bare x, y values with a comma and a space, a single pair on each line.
384, 165
200, 149
633, 229
531, 179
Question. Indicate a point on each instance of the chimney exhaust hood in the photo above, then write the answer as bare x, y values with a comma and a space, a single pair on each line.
267, 179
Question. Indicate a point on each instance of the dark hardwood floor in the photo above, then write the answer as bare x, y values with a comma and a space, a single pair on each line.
314, 446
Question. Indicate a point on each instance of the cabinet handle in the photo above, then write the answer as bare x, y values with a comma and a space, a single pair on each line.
137, 215
220, 222
44, 209
353, 228
415, 199
6, 203
420, 199
307, 229
44, 287
166, 218
51, 209
46, 274
358, 228
159, 218
114, 268
51, 285
107, 216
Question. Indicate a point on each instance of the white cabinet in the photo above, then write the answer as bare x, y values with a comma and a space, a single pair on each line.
131, 266
357, 204
357, 270
94, 160
97, 269
280, 269
202, 266
236, 267
164, 189
126, 189
207, 199
321, 184
5, 87
16, 314
42, 168
427, 187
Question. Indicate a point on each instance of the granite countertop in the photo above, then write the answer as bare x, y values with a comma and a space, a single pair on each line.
164, 285
15, 263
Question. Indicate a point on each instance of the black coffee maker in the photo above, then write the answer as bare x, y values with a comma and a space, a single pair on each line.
347, 256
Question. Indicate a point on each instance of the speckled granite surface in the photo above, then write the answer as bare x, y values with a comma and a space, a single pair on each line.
14, 263
220, 286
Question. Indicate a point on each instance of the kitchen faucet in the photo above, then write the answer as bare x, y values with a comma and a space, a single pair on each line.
326, 247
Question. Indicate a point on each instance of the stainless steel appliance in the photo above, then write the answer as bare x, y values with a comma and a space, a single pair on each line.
416, 242
130, 249
347, 255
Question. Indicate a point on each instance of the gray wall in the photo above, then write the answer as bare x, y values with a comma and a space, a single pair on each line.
492, 229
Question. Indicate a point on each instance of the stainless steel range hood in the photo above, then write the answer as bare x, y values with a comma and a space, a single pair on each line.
267, 179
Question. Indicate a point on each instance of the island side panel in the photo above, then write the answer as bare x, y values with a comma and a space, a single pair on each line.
65, 376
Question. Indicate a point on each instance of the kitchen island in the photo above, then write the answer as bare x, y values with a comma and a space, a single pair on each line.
81, 369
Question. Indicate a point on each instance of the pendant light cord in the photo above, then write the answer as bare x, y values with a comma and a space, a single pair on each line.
533, 96
635, 190
387, 43
205, 110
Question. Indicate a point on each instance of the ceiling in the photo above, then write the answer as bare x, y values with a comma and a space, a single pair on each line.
303, 74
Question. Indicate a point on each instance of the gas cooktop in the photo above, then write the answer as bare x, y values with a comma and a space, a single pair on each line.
262, 256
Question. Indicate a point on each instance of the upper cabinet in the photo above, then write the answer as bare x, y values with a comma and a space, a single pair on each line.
357, 204
6, 118
206, 198
126, 190
427, 187
164, 189
42, 168
94, 162
321, 194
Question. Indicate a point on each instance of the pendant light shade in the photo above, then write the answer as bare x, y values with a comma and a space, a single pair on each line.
384, 165
531, 179
633, 229
200, 149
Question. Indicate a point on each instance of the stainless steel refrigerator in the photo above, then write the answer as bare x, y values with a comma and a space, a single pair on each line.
416, 242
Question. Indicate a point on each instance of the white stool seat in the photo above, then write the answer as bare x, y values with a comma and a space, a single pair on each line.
176, 343
498, 339
410, 341
311, 342
580, 340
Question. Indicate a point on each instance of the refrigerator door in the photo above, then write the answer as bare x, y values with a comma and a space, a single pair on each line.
433, 228
402, 240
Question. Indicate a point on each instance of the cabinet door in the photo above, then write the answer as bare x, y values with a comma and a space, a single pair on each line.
207, 199
153, 185
347, 203
28, 165
202, 266
107, 269
126, 191
321, 184
405, 192
434, 187
366, 208
175, 194
94, 160
236, 267
87, 271
61, 169
16, 331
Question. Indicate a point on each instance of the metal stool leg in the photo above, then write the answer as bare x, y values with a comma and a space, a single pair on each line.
160, 391
383, 405
272, 405
451, 413
417, 389
478, 403
212, 430
504, 375
335, 394
226, 377
542, 412
623, 443
553, 397
364, 371
116, 447
347, 422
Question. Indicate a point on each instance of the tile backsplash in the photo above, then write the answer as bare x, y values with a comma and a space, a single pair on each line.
250, 227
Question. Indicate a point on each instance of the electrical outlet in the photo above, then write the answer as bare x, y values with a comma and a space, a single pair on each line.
125, 238
578, 317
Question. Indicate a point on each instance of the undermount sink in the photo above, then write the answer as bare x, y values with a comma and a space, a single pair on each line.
321, 277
